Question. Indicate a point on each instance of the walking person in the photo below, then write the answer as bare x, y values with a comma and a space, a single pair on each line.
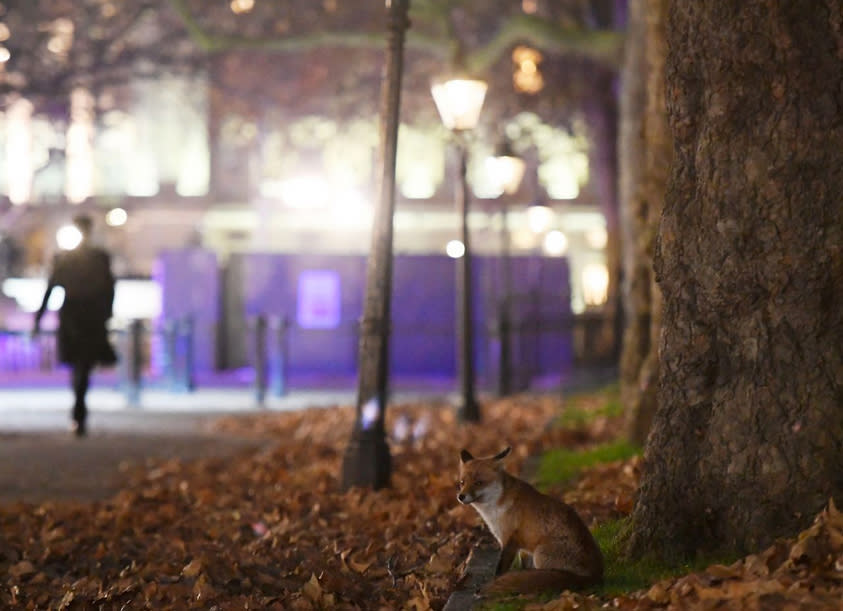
85, 274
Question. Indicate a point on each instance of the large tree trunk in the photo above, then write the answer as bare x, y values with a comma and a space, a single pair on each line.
646, 52
747, 443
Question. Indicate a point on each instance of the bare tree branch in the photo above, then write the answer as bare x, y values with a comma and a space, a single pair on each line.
600, 45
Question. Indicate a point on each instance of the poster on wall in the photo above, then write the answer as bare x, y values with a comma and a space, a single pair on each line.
318, 302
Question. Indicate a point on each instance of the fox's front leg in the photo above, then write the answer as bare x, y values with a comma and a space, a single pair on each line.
508, 553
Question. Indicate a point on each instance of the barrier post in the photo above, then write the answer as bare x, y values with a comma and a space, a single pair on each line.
134, 367
260, 359
278, 362
188, 328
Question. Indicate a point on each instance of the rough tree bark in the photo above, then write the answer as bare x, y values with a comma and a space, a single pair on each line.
639, 365
747, 444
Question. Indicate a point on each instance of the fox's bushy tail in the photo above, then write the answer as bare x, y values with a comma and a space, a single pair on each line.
539, 580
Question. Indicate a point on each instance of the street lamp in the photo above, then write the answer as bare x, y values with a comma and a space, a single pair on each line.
509, 169
367, 461
459, 101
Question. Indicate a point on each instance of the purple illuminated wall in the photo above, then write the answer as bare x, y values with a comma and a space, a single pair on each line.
267, 284
423, 306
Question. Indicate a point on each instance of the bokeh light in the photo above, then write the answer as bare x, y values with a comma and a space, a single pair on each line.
242, 6
68, 237
595, 284
539, 218
116, 217
555, 243
597, 238
455, 249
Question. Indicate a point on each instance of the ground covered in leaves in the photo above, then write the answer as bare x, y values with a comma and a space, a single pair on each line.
271, 529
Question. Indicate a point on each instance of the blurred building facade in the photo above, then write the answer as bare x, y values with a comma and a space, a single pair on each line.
180, 163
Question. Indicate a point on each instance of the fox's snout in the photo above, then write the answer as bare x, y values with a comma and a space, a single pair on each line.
469, 492
466, 493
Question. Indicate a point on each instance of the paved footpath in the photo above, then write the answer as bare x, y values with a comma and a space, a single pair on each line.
41, 460
37, 467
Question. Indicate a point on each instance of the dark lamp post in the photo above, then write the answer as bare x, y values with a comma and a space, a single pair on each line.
367, 460
510, 170
459, 101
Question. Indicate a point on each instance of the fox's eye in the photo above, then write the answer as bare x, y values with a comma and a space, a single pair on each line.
460, 484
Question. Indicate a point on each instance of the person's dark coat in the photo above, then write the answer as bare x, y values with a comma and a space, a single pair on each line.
85, 274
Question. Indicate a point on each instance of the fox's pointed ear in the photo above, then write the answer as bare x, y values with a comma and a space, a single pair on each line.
503, 453
465, 456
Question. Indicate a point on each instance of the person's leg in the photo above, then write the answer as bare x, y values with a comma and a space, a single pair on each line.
81, 381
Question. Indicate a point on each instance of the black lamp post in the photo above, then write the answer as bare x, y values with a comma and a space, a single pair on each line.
367, 461
509, 170
459, 101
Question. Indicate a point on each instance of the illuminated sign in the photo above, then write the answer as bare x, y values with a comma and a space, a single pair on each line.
318, 303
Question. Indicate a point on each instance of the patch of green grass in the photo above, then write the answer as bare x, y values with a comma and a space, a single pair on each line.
623, 575
560, 465
513, 603
582, 409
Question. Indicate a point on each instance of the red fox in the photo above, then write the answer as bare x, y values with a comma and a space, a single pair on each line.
564, 553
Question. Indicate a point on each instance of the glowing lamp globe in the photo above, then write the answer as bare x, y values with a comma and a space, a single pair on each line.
508, 169
459, 101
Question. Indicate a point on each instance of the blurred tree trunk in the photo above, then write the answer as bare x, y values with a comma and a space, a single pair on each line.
647, 153
602, 113
631, 147
746, 443
602, 117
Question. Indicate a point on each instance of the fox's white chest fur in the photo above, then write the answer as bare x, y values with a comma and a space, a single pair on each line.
491, 510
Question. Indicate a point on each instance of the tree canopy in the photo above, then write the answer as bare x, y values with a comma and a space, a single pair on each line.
52, 47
